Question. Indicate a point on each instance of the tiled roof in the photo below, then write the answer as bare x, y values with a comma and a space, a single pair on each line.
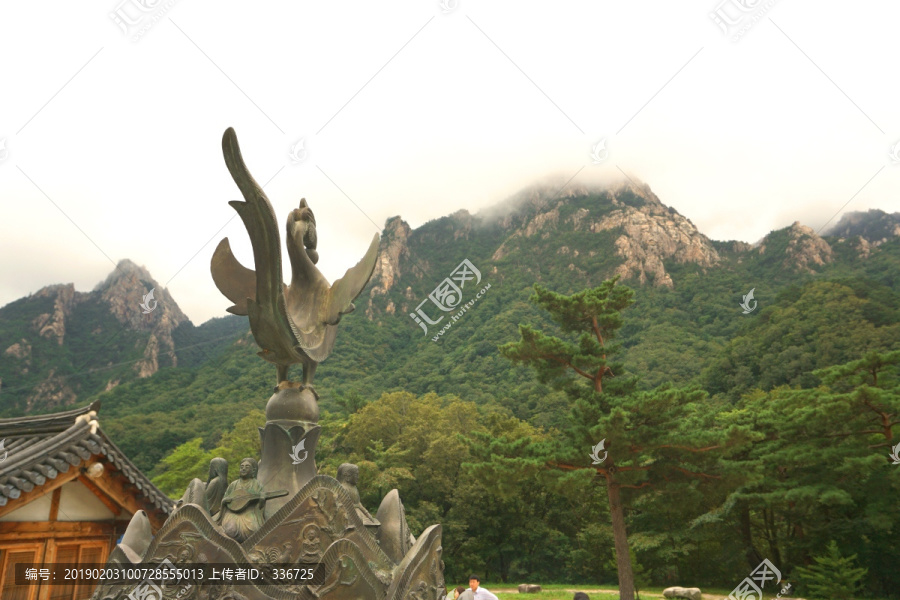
41, 447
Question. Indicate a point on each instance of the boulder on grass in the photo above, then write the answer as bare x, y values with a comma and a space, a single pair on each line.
528, 588
680, 592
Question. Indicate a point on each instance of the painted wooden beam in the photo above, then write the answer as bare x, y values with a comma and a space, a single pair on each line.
54, 504
58, 529
112, 485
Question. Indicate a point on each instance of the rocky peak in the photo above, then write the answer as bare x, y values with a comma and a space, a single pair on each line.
873, 226
126, 269
641, 190
805, 248
127, 288
393, 246
652, 232
651, 235
127, 293
464, 221
532, 200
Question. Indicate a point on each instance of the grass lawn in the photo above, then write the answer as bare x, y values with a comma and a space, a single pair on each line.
565, 591
555, 595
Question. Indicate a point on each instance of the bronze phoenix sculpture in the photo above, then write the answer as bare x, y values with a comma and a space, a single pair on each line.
294, 323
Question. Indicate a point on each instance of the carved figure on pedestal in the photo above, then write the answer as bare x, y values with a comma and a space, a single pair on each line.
348, 475
216, 484
244, 503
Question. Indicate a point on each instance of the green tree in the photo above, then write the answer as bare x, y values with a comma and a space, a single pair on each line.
811, 327
186, 462
594, 314
815, 465
833, 577
643, 433
242, 441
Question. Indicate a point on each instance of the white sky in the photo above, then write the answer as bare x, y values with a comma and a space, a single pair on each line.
113, 147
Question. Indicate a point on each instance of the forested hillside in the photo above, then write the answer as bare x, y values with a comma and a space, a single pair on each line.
780, 388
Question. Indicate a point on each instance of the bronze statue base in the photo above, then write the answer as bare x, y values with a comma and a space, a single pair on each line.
318, 528
318, 524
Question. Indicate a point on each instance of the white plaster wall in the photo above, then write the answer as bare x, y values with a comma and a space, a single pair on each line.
76, 503
36, 510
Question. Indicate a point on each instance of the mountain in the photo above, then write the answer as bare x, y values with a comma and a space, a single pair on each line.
59, 346
629, 219
446, 294
875, 226
688, 287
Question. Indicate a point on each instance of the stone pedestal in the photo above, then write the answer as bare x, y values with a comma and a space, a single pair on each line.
288, 458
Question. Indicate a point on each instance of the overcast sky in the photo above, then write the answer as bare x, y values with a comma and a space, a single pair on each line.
112, 119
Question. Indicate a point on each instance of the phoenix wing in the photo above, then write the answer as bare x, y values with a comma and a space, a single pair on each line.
340, 297
316, 336
234, 280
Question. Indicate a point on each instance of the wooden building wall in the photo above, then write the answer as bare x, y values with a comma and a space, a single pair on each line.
70, 524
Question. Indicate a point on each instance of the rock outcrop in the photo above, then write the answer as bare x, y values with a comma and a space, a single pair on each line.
394, 247
651, 232
150, 363
650, 237
53, 325
874, 226
805, 249
20, 350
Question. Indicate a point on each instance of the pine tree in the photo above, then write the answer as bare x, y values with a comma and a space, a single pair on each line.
643, 434
833, 577
814, 457
594, 314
